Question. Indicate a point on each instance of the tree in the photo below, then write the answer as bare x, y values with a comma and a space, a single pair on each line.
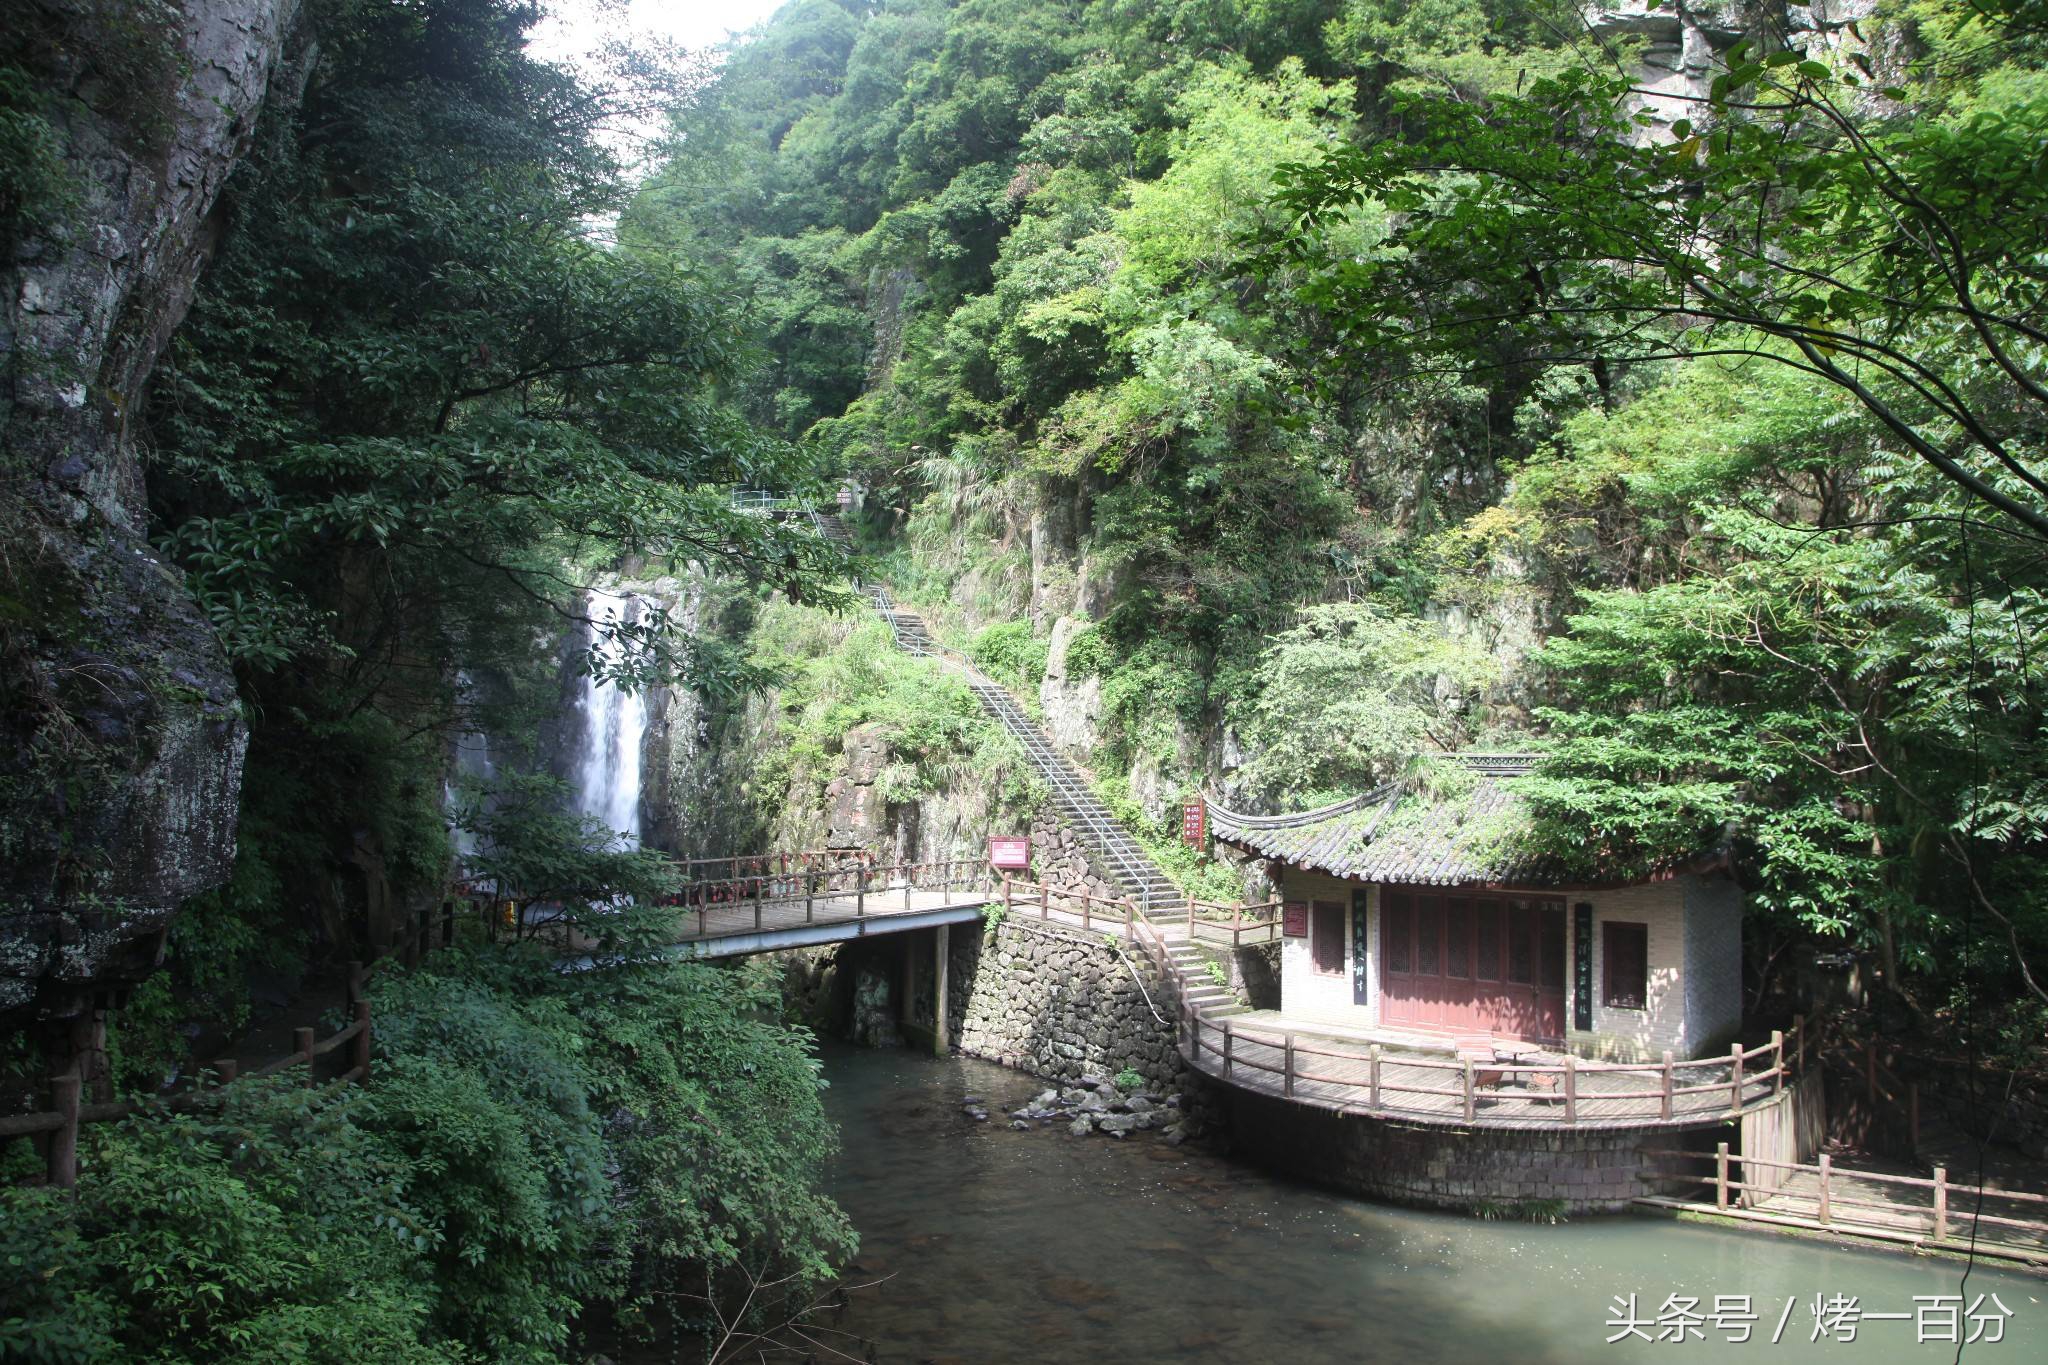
1349, 695
1886, 241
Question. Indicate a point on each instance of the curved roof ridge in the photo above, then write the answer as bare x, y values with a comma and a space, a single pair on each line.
1226, 816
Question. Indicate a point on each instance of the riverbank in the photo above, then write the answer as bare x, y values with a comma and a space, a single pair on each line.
994, 1245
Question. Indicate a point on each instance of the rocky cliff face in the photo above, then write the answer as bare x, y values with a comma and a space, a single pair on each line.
122, 742
1682, 42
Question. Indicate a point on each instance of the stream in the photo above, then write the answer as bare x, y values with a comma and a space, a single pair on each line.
1002, 1246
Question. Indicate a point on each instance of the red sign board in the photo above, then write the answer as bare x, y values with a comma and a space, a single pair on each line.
1194, 822
1294, 919
1009, 854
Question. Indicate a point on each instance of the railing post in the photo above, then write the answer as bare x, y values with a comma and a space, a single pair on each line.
1666, 1109
1721, 1176
360, 1053
860, 893
1777, 1062
1006, 895
1735, 1079
1130, 921
1571, 1088
1468, 1089
809, 908
1226, 1049
1941, 1203
1799, 1042
1824, 1210
302, 1042
758, 879
1287, 1067
1087, 902
63, 1156
703, 929
1372, 1077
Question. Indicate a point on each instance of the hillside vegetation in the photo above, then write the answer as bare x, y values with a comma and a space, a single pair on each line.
1277, 390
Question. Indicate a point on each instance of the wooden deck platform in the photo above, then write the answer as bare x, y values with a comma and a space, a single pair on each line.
1310, 1064
1869, 1200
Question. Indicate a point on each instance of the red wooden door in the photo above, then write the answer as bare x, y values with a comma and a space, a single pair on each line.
1472, 964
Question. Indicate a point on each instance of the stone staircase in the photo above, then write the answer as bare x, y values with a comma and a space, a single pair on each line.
1210, 999
1116, 854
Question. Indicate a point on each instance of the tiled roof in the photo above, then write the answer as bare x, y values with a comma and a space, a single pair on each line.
1401, 834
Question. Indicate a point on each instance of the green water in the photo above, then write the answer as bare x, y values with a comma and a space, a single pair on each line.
1007, 1246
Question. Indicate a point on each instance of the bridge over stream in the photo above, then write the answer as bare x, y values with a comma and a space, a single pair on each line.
1547, 1113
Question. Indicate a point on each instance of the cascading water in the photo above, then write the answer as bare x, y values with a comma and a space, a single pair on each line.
614, 728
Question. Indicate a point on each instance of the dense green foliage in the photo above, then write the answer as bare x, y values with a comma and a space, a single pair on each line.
1190, 320
417, 405
931, 732
534, 1142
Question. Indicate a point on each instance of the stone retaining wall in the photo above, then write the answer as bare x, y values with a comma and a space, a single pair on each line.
1584, 1172
1060, 1004
1061, 860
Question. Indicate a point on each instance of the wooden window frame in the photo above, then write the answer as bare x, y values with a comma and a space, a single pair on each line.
1316, 936
1610, 996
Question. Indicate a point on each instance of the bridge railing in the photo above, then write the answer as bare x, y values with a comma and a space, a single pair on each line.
830, 887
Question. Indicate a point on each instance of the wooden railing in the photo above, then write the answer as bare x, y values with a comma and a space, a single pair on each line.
1949, 1204
67, 1114
1094, 911
1891, 1106
872, 888
1567, 1093
1229, 923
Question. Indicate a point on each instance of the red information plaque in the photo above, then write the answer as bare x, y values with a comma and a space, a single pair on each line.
1009, 854
1294, 919
1194, 822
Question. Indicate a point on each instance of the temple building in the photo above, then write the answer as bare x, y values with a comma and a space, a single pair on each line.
1416, 910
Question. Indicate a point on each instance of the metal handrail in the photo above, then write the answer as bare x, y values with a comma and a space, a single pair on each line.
1128, 861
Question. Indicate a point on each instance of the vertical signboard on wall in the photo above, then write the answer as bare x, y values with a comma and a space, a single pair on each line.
1194, 822
1294, 919
1361, 959
1582, 965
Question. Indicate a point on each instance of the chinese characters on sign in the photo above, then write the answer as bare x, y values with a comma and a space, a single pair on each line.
1009, 855
1733, 1318
1582, 965
1294, 919
1194, 822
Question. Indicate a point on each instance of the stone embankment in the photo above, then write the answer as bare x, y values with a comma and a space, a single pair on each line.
1063, 1005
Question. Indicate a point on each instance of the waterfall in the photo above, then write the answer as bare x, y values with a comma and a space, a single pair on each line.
614, 729
473, 765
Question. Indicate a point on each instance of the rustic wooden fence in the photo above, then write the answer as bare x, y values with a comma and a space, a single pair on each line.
833, 887
1371, 1079
56, 1129
1821, 1196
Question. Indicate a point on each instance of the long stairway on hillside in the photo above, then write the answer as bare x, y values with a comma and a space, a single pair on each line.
1116, 853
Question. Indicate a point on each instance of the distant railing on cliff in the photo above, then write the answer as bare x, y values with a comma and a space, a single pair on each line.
57, 1128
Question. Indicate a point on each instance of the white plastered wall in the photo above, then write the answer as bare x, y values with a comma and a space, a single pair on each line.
1633, 1034
1311, 994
